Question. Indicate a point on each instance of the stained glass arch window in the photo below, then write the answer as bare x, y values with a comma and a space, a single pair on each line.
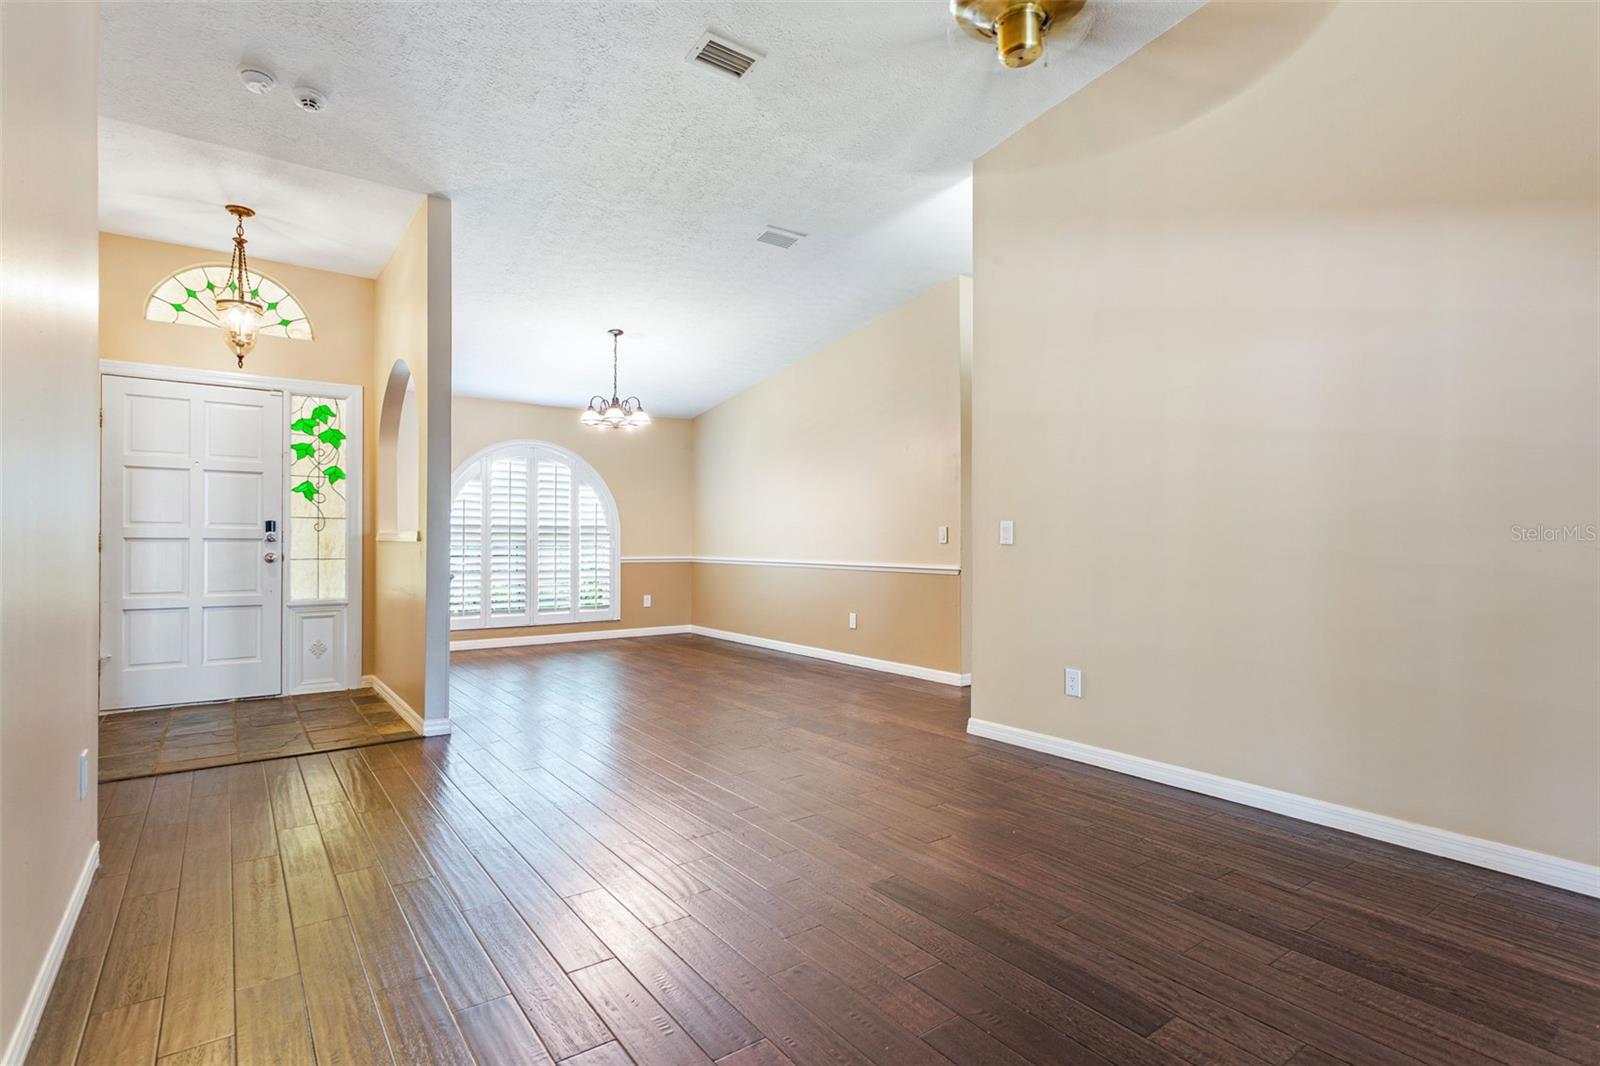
189, 298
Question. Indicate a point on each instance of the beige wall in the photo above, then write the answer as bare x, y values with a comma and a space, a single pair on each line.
903, 618
669, 585
1315, 352
49, 478
410, 648
342, 310
651, 472
852, 454
651, 475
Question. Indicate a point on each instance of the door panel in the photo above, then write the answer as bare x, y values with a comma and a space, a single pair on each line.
156, 637
233, 500
232, 568
232, 634
233, 431
156, 496
156, 566
191, 610
157, 427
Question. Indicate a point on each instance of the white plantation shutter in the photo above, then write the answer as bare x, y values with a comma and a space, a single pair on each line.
555, 536
507, 541
466, 549
594, 552
534, 540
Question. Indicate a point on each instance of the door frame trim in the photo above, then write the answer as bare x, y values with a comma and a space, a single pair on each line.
355, 554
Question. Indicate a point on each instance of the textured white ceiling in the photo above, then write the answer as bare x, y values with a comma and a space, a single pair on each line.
168, 188
599, 180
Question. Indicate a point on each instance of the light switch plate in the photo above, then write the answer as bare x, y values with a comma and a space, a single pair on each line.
1007, 532
944, 534
852, 619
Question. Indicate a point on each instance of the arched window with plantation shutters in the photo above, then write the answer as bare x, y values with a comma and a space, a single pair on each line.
534, 540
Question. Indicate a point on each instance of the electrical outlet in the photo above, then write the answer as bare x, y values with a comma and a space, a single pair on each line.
83, 774
1074, 683
852, 619
1007, 532
647, 599
944, 534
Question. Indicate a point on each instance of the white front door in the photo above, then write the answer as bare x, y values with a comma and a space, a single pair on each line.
191, 604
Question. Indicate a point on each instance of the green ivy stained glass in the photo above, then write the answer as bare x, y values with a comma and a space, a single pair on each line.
318, 510
189, 298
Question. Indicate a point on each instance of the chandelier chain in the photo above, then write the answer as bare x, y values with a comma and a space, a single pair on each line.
241, 260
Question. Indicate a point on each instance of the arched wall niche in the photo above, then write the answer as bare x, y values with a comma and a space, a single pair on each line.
399, 457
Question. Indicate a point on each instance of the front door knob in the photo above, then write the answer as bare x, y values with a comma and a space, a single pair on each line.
271, 557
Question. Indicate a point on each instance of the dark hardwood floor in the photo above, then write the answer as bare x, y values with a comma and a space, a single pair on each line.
675, 850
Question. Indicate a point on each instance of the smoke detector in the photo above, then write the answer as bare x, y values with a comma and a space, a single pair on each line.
779, 237
719, 55
259, 82
309, 99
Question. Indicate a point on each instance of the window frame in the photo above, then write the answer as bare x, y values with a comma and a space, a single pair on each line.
582, 475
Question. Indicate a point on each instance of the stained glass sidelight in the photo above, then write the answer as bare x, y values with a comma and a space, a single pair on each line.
318, 514
189, 298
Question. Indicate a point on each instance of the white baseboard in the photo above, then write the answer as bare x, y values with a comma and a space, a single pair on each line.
39, 994
426, 728
1518, 862
943, 677
925, 673
528, 640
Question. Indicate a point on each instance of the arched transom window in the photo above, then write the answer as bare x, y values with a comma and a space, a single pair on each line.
189, 298
534, 539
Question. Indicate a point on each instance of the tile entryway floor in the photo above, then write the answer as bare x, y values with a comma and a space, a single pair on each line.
169, 739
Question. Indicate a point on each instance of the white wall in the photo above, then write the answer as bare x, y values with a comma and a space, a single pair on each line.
49, 486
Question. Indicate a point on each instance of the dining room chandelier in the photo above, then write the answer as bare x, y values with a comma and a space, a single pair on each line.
614, 413
239, 307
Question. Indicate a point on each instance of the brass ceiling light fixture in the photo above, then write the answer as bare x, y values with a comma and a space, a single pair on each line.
239, 306
614, 413
1017, 27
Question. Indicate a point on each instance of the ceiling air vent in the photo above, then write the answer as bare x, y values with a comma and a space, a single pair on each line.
779, 238
723, 56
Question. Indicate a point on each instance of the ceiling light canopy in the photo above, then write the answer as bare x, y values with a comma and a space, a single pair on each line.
238, 308
614, 413
1017, 27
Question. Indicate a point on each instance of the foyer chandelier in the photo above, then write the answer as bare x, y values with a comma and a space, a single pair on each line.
614, 413
239, 307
